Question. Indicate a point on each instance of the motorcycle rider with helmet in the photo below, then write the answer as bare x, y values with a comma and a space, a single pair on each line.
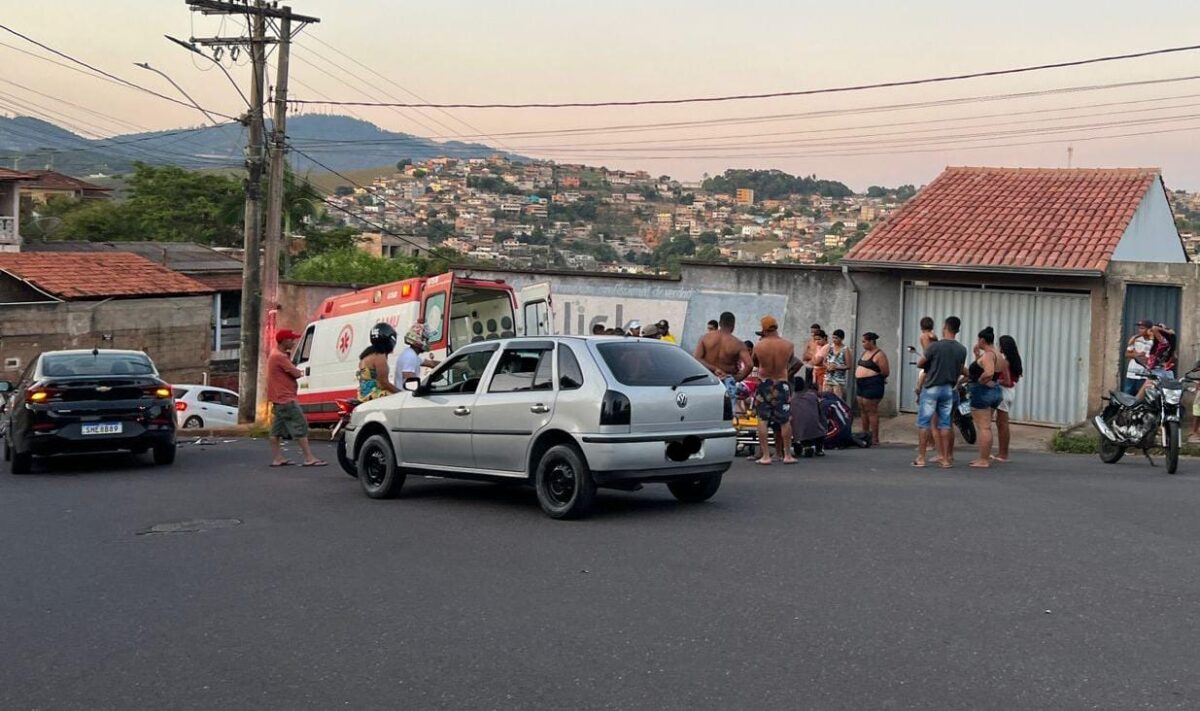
373, 380
410, 362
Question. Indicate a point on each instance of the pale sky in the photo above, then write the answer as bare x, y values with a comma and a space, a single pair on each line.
527, 50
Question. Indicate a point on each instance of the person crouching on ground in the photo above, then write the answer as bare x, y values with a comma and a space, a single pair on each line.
773, 399
809, 424
287, 419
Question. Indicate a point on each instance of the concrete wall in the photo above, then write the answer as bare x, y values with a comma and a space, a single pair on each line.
174, 331
1120, 274
300, 301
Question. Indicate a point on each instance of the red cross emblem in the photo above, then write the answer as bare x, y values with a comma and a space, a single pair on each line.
344, 341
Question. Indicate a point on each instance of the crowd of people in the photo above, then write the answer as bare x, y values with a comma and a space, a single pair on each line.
990, 382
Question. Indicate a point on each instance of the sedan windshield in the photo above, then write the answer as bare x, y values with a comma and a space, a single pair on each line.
87, 364
649, 364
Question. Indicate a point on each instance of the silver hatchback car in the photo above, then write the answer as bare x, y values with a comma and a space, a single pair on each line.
566, 414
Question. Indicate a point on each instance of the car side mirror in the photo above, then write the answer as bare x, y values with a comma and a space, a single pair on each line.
5, 386
413, 385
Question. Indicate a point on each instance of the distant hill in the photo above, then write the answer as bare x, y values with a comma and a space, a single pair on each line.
775, 184
341, 142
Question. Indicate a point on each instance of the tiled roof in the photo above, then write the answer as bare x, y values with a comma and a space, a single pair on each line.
1012, 218
6, 174
186, 257
91, 275
53, 180
220, 281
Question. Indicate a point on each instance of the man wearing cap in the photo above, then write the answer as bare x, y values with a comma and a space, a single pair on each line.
634, 328
664, 332
773, 398
1137, 347
287, 419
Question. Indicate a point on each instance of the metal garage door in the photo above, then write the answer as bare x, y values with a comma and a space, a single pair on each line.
1052, 331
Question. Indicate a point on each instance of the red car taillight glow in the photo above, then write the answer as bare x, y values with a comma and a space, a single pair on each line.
181, 406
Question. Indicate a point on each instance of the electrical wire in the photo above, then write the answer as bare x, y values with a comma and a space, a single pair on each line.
779, 94
109, 75
827, 113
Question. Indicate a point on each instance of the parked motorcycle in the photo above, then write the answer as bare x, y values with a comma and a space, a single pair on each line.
345, 408
1128, 423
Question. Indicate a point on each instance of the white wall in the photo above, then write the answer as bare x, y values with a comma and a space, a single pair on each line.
1151, 235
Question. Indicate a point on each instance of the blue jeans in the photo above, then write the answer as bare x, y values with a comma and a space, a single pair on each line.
1132, 385
985, 397
938, 399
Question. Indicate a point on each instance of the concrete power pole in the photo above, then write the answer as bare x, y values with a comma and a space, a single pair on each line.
254, 286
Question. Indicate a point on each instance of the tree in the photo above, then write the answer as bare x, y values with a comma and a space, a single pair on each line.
343, 190
707, 239
420, 173
403, 163
774, 184
318, 242
354, 266
166, 203
708, 253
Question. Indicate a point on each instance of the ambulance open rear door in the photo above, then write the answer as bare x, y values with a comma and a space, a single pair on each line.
535, 309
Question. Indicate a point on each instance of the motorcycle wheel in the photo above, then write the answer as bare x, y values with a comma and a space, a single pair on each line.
1172, 429
966, 426
1110, 453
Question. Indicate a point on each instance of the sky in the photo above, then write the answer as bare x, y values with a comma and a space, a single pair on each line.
537, 51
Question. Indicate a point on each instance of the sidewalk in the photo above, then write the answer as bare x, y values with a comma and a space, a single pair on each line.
902, 430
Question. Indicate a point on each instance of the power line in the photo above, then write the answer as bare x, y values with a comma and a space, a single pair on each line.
825, 113
779, 94
103, 73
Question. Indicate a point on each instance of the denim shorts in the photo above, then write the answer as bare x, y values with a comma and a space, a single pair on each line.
985, 397
939, 400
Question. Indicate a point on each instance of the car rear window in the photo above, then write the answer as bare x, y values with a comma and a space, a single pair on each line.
86, 364
648, 364
178, 393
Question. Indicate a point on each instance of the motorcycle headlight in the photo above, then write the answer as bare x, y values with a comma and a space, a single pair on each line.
1171, 396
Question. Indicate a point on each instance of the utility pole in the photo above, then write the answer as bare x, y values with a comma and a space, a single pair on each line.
253, 287
273, 240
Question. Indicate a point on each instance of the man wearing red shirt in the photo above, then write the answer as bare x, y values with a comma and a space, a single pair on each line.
287, 419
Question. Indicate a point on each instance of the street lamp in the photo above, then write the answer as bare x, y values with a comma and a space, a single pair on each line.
146, 66
196, 50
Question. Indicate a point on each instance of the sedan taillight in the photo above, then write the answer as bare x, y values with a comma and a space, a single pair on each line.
615, 409
39, 395
180, 406
160, 392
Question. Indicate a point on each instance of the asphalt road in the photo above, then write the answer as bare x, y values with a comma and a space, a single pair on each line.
853, 582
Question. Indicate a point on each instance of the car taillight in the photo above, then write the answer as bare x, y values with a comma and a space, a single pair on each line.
161, 392
345, 407
728, 414
615, 409
180, 406
37, 396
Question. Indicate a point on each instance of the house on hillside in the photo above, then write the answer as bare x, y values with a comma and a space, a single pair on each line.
48, 183
51, 301
10, 209
1063, 260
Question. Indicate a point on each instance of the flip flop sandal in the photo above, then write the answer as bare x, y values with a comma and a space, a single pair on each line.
920, 465
317, 463
284, 463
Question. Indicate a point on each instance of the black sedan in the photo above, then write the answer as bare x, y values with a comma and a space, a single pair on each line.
70, 402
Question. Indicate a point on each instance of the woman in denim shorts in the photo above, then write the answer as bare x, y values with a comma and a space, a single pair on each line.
984, 392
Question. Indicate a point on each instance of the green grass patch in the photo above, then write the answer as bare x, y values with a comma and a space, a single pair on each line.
1075, 442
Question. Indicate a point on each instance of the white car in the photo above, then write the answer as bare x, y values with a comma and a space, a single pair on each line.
205, 406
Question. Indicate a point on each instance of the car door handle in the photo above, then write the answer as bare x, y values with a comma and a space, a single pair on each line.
539, 409
462, 411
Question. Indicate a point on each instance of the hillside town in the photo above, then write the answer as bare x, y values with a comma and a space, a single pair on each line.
546, 214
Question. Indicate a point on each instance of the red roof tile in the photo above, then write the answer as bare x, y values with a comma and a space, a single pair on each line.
53, 180
1012, 218
6, 174
97, 275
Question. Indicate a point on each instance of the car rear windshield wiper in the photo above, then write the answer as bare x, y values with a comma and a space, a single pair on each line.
690, 379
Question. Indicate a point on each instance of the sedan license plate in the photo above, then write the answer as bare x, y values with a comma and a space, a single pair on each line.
102, 428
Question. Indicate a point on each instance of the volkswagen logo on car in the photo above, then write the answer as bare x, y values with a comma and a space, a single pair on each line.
681, 399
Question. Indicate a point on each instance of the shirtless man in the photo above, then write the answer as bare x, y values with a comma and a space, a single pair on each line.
725, 355
773, 399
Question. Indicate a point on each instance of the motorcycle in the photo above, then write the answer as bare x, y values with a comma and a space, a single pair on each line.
1128, 423
345, 409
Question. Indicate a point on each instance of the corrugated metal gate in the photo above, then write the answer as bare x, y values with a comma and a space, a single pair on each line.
1146, 301
1052, 330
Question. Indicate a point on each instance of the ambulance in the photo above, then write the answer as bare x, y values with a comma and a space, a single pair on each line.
455, 310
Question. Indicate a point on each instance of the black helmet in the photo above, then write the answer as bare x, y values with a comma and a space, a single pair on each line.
383, 338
